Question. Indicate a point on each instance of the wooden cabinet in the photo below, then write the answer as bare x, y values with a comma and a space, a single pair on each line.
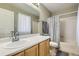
41, 49
44, 48
20, 54
33, 51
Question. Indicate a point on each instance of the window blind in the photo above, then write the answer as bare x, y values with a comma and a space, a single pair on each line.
24, 23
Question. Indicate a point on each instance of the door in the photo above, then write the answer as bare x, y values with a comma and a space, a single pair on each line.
33, 51
44, 48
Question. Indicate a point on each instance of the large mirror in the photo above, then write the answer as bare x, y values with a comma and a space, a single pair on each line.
14, 17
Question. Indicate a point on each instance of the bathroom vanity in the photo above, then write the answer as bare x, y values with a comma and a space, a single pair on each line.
33, 46
40, 49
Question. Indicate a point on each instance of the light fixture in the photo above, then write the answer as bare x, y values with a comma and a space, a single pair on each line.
36, 4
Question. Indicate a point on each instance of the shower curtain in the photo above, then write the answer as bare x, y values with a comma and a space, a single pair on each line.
54, 29
77, 31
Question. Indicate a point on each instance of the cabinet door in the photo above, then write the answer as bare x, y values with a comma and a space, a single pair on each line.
33, 51
20, 54
44, 48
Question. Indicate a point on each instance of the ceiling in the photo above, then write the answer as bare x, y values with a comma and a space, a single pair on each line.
57, 8
27, 8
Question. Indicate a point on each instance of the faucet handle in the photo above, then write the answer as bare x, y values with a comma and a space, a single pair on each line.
17, 33
12, 33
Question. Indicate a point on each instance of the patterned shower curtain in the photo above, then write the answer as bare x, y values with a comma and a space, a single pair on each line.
54, 29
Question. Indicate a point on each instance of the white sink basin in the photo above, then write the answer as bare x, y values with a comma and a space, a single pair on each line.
16, 44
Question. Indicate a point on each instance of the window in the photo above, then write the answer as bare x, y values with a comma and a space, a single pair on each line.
24, 23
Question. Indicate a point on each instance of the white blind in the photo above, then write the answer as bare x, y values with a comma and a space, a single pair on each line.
24, 24
6, 22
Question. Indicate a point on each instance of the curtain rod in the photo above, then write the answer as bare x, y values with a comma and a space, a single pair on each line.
67, 13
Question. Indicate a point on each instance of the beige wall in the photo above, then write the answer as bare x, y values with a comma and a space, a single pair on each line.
44, 14
68, 29
34, 25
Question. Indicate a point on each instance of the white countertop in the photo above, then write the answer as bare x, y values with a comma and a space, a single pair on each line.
29, 42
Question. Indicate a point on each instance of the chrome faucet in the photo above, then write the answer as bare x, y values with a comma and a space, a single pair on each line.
14, 36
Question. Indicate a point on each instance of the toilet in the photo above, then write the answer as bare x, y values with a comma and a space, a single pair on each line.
53, 49
53, 44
